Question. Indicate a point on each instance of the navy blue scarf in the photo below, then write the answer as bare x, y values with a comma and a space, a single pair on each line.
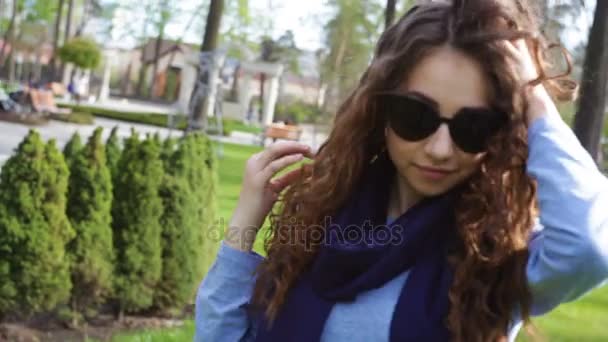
361, 252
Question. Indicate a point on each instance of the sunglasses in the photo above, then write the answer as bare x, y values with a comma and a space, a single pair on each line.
415, 118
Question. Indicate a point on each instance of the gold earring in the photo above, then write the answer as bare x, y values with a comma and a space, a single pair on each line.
375, 157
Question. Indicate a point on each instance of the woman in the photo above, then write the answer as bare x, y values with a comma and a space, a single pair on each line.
417, 220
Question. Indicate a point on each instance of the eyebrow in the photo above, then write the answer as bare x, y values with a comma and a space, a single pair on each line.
430, 101
423, 97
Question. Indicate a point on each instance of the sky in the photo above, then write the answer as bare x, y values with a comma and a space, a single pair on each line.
304, 18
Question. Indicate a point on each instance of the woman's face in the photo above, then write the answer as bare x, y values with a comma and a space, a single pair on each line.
435, 164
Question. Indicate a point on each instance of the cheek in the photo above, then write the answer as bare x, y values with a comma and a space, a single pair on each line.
469, 163
400, 150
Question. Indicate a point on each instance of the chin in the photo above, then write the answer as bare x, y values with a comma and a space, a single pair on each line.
426, 188
430, 191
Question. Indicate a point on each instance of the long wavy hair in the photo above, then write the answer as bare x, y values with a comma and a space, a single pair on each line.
495, 213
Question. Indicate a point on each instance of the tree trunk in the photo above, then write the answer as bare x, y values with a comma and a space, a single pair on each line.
126, 80
57, 32
234, 89
9, 34
157, 47
589, 119
212, 28
67, 33
68, 22
389, 13
198, 119
141, 79
84, 20
261, 102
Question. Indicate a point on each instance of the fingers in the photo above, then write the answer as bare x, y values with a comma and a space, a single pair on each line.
512, 47
280, 183
279, 164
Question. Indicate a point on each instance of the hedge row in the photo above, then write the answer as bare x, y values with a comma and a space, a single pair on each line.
104, 224
161, 120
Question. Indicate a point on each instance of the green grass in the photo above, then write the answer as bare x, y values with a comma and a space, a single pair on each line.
230, 171
183, 333
584, 320
81, 118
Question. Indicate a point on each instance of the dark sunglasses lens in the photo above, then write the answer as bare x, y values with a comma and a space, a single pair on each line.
472, 129
410, 119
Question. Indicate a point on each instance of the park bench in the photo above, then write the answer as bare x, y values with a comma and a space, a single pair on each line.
44, 102
281, 131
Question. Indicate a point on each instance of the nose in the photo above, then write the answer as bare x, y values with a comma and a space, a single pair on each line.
439, 146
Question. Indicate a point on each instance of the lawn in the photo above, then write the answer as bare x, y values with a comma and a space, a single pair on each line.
585, 320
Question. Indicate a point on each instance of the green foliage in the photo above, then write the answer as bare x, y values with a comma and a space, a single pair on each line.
89, 211
136, 211
82, 52
189, 197
299, 112
178, 225
75, 117
113, 151
72, 149
350, 37
34, 228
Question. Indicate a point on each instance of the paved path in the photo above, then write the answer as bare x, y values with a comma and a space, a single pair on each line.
11, 134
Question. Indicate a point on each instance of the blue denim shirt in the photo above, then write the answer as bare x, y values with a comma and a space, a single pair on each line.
568, 252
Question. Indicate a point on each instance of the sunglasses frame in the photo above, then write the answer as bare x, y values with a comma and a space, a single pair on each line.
499, 120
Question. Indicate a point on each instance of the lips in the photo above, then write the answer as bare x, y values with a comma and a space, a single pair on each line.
434, 173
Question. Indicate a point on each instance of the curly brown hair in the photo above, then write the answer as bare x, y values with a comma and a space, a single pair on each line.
497, 207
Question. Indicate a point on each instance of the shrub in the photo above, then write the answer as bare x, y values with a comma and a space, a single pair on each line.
180, 227
34, 228
82, 52
89, 211
81, 118
136, 211
113, 151
299, 112
72, 148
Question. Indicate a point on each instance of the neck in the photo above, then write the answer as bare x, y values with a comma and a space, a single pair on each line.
402, 197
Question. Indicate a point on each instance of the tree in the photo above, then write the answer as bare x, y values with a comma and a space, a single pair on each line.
67, 34
198, 119
350, 37
148, 10
82, 52
56, 34
113, 151
589, 119
389, 13
283, 50
165, 11
34, 228
180, 225
72, 149
68, 21
89, 211
136, 211
9, 35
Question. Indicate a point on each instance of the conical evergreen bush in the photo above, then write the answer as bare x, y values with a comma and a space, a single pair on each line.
34, 228
89, 211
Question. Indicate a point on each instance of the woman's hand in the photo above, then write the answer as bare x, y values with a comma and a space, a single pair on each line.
540, 103
260, 191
